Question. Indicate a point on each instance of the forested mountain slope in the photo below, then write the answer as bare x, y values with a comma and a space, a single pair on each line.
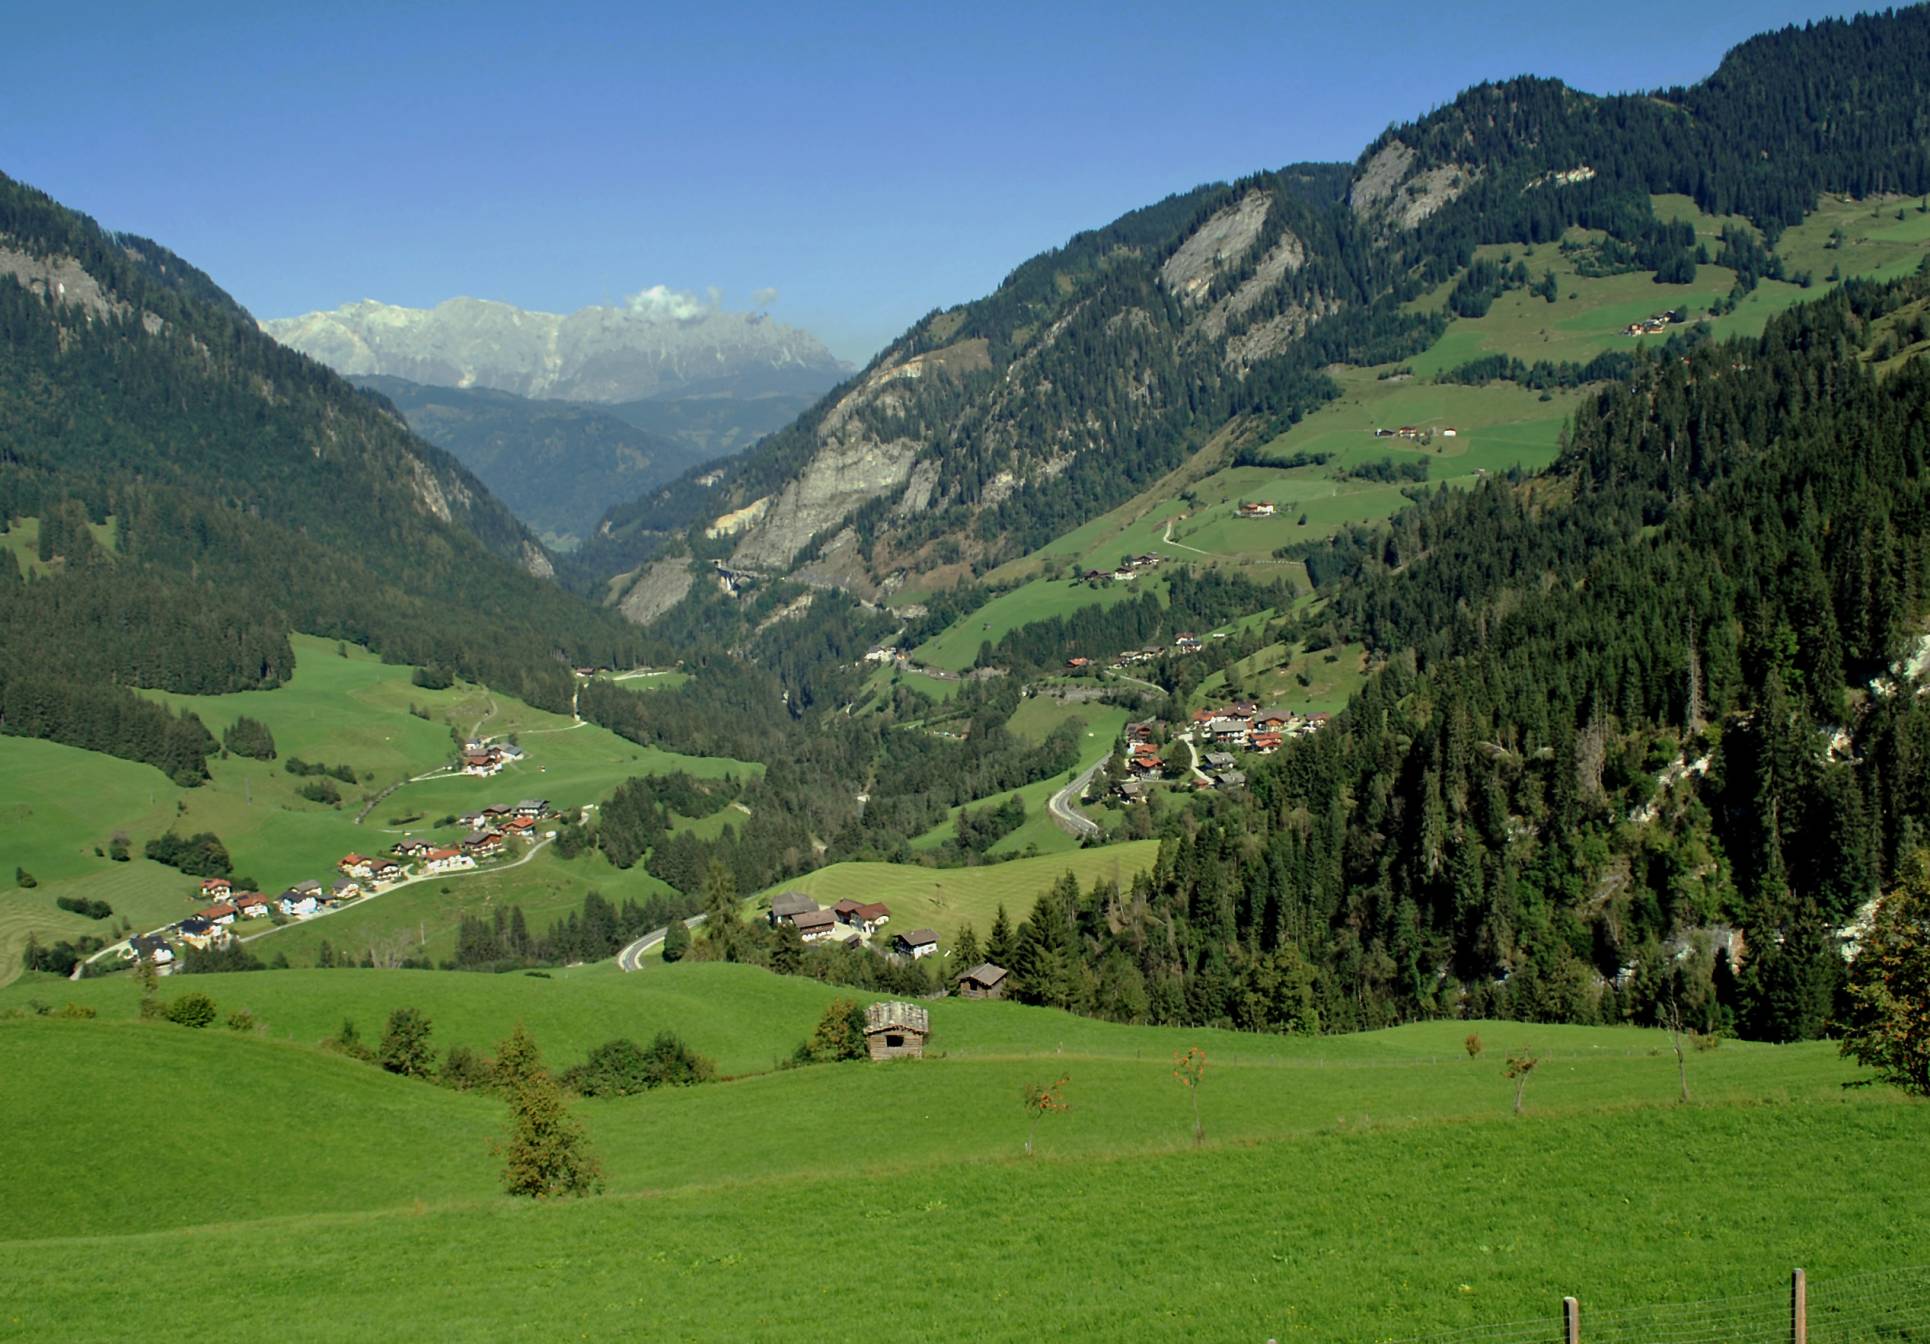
199, 490
1641, 743
991, 427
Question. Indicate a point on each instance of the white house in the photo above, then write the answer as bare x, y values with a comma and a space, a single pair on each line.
448, 861
918, 943
297, 904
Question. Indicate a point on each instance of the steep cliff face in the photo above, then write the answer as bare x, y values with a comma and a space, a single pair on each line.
858, 457
1080, 376
659, 343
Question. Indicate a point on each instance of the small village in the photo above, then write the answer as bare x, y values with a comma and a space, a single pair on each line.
857, 924
1238, 727
495, 833
1652, 325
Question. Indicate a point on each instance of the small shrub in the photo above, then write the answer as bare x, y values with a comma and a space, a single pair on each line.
839, 1034
192, 1010
77, 1012
152, 1009
1473, 1044
23, 878
241, 1020
463, 1069
348, 1041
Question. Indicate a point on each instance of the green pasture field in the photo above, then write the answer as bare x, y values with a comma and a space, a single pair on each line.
947, 899
339, 710
22, 539
1038, 715
665, 680
1314, 1210
956, 648
1272, 677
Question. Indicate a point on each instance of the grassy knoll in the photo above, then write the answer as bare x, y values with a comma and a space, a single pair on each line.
1315, 1210
1285, 677
946, 899
209, 1126
743, 1018
348, 708
957, 647
665, 680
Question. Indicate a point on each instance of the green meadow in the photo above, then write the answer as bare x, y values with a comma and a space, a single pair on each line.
1370, 1186
956, 648
341, 707
947, 899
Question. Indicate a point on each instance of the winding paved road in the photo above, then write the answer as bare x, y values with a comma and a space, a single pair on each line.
631, 957
1064, 811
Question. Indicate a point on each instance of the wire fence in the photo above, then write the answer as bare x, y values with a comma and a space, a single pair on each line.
1888, 1306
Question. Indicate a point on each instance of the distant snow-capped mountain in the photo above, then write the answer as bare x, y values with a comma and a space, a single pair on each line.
660, 343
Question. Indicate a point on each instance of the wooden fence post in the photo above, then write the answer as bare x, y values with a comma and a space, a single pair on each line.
1571, 1320
1799, 1308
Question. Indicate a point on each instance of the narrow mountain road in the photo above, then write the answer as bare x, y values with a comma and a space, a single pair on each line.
1193, 753
405, 882
631, 957
1168, 540
1064, 811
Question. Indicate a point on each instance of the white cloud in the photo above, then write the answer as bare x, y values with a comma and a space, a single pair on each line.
660, 303
764, 298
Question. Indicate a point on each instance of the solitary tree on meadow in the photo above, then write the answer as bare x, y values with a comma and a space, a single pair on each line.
1189, 1067
1520, 1064
1041, 1099
546, 1155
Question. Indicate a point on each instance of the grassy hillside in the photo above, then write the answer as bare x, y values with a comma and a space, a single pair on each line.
946, 899
1299, 1219
343, 706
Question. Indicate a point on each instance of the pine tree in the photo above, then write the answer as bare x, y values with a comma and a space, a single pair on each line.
998, 946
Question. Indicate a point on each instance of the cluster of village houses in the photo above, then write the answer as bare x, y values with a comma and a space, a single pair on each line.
491, 830
851, 922
1241, 726
1183, 644
1129, 568
1413, 432
483, 759
1650, 325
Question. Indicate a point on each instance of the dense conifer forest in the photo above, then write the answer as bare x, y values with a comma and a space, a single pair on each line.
1649, 694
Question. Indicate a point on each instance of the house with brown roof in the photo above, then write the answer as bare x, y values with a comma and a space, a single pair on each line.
786, 906
983, 981
815, 926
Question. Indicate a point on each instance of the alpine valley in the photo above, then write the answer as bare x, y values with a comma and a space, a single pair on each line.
1343, 756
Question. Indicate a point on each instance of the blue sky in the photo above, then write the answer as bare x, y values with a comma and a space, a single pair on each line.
866, 162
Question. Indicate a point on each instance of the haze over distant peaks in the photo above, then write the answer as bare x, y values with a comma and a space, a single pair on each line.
661, 342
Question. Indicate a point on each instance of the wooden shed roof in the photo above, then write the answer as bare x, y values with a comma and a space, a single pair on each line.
896, 1016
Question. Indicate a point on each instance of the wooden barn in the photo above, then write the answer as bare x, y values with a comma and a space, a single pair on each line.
896, 1030
984, 981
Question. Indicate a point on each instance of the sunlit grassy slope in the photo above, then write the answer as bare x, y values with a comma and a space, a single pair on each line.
1350, 1187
